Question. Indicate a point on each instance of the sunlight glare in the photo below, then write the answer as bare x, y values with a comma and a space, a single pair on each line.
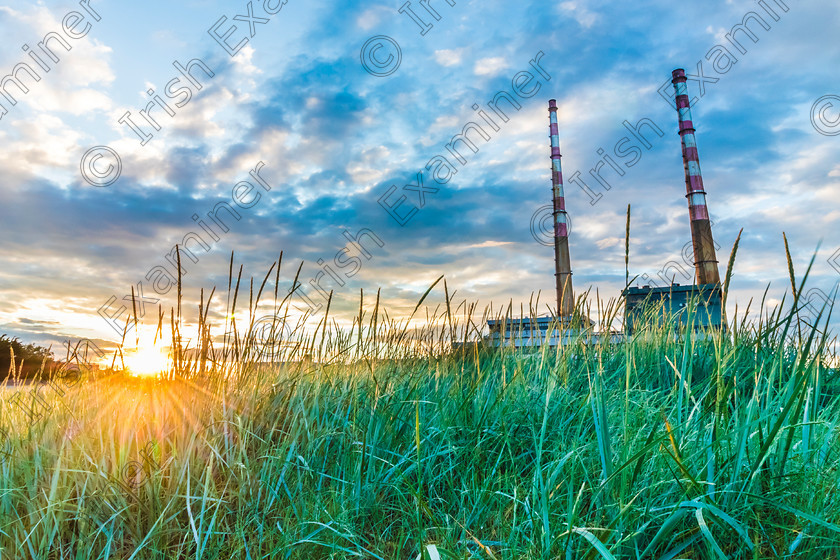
147, 360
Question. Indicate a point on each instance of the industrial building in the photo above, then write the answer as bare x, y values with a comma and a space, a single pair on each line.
672, 303
537, 331
563, 326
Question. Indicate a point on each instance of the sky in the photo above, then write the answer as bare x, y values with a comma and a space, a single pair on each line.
320, 130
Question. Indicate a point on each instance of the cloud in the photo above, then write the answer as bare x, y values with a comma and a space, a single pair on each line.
492, 66
373, 16
449, 57
73, 84
582, 15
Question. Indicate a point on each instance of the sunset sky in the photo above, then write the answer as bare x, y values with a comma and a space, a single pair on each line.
333, 138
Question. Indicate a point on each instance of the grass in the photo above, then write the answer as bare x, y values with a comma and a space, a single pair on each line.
385, 439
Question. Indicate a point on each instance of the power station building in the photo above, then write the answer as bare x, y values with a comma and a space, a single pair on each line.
672, 302
563, 326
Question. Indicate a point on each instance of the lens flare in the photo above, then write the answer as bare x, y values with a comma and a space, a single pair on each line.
146, 360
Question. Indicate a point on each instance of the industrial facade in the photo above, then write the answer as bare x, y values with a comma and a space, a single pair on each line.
700, 303
672, 301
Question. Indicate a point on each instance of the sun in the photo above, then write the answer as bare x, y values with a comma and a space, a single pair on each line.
146, 361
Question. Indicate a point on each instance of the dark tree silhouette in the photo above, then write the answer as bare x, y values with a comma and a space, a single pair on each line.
31, 355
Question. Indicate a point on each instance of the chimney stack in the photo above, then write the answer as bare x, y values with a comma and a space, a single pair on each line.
562, 261
705, 261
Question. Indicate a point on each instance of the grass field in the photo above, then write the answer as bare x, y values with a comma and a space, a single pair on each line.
381, 440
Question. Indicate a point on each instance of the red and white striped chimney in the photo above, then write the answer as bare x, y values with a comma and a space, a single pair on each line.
705, 260
562, 261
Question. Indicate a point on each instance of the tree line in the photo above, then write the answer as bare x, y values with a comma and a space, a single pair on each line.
21, 360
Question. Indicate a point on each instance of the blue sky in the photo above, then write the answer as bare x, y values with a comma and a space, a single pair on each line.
333, 138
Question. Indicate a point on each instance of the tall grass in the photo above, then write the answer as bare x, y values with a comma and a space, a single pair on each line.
377, 440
